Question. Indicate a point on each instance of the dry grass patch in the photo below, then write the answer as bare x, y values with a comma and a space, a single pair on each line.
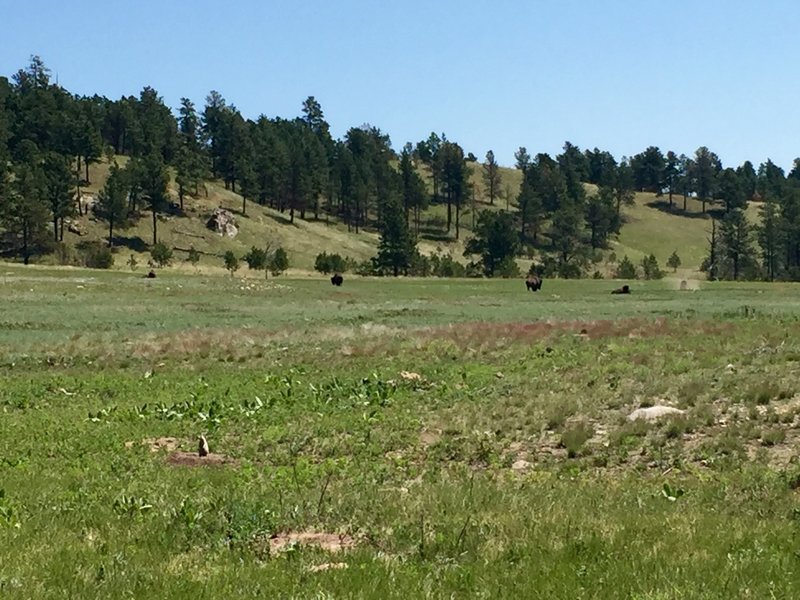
330, 542
169, 444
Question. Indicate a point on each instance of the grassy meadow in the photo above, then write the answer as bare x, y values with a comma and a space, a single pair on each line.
395, 438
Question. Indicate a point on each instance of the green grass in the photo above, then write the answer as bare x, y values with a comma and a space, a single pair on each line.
468, 436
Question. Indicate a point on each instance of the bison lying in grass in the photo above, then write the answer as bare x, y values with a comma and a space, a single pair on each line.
623, 290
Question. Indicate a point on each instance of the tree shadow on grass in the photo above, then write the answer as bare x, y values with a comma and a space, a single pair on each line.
677, 210
136, 243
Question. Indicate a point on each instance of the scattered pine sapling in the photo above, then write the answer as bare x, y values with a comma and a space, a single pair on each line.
674, 261
231, 262
194, 256
626, 269
279, 261
256, 259
651, 268
161, 254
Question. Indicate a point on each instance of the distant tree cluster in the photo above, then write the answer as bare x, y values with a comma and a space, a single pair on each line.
49, 138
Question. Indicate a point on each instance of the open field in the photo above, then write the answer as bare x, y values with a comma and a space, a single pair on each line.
395, 438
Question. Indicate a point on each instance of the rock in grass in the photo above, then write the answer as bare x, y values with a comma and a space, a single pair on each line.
653, 413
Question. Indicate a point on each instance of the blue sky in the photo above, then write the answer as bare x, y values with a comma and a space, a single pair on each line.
619, 75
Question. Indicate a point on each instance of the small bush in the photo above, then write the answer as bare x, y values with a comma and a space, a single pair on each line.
420, 265
330, 263
161, 254
279, 262
507, 269
256, 259
626, 269
651, 268
65, 255
194, 256
97, 255
557, 414
569, 271
443, 265
575, 436
772, 437
231, 262
365, 268
674, 261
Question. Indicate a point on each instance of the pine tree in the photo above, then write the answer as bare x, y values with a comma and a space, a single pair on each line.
531, 207
769, 238
24, 212
565, 231
623, 187
601, 217
190, 159
736, 241
59, 189
397, 247
414, 195
153, 180
705, 168
495, 241
492, 176
112, 201
674, 261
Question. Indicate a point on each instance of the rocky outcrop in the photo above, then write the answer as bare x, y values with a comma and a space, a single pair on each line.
223, 223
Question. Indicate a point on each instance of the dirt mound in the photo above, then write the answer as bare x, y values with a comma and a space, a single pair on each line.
192, 459
330, 542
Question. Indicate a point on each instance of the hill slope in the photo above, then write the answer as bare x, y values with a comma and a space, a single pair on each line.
651, 227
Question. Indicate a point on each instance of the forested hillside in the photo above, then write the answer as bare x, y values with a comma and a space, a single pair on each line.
91, 180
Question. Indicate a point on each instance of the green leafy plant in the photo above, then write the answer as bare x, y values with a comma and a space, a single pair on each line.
161, 254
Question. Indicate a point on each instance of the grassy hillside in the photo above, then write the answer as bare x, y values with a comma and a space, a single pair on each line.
651, 227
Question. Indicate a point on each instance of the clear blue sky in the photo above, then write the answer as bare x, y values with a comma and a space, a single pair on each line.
619, 75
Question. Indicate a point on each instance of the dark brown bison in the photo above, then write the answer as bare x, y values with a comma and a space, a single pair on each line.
337, 280
533, 283
623, 290
151, 275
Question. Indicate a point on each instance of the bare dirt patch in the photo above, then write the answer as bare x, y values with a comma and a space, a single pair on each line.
327, 567
191, 459
330, 542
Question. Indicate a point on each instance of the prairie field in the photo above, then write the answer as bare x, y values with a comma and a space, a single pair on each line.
404, 438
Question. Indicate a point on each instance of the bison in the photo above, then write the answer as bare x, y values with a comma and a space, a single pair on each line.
533, 283
623, 290
337, 280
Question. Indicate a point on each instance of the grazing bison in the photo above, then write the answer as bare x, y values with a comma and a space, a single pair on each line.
533, 283
337, 280
623, 290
